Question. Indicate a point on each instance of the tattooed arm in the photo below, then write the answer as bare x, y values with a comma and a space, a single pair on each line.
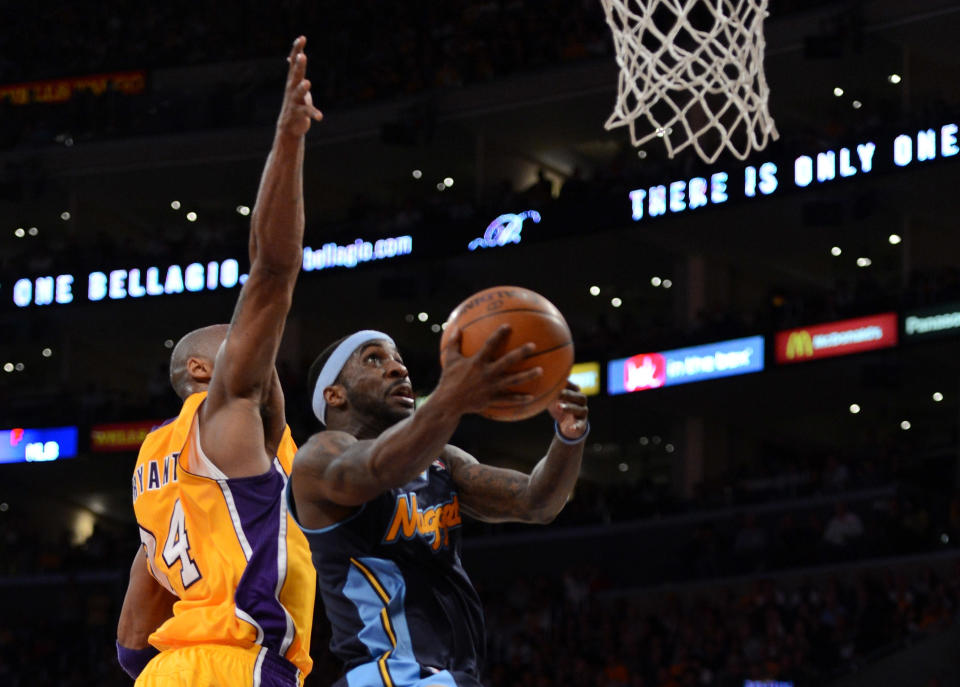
496, 494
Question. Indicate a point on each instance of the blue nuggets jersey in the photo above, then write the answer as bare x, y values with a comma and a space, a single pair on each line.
400, 604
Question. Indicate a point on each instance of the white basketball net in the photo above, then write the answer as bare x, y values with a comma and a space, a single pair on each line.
691, 73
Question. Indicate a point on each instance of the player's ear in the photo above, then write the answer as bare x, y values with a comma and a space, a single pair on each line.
200, 369
335, 396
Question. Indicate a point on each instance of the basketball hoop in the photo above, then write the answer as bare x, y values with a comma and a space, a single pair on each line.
691, 73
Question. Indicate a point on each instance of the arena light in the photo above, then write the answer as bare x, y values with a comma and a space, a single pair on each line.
423, 317
441, 186
623, 467
435, 328
864, 262
894, 239
669, 448
835, 251
655, 281
594, 290
191, 216
937, 397
18, 367
33, 231
19, 232
175, 204
894, 78
837, 91
448, 181
616, 302
856, 104
8, 367
46, 352
417, 174
666, 283
905, 425
243, 210
65, 215
854, 408
168, 343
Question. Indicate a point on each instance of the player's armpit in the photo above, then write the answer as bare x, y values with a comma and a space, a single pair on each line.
492, 494
335, 467
146, 605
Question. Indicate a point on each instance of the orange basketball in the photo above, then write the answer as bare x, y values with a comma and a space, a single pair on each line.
531, 318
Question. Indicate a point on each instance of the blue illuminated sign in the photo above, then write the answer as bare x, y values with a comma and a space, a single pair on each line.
504, 229
685, 365
37, 445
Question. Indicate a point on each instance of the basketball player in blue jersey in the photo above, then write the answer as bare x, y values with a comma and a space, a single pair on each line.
380, 495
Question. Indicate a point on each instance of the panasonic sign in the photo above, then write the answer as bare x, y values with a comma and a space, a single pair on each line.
931, 322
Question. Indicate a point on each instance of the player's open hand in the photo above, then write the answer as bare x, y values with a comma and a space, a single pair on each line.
570, 412
298, 111
488, 376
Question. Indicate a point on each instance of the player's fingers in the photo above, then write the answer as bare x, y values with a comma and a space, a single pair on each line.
312, 111
512, 357
521, 377
295, 49
578, 412
572, 397
494, 342
452, 345
572, 386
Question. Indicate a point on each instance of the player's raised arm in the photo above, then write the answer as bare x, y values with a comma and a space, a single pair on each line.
346, 469
244, 368
499, 495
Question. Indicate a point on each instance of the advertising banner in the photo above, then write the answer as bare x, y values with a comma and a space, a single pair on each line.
934, 322
20, 445
587, 377
120, 436
836, 338
685, 365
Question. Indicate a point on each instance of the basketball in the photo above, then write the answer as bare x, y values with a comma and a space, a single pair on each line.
532, 318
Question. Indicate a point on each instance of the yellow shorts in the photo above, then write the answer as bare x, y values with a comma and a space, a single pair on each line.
218, 665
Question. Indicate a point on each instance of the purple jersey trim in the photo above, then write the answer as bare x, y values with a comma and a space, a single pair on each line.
262, 520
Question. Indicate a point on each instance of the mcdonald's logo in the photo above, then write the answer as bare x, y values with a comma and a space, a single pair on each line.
836, 338
799, 345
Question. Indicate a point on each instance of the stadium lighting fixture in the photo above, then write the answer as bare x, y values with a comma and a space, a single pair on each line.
854, 408
175, 204
616, 302
894, 78
894, 239
594, 290
837, 91
835, 251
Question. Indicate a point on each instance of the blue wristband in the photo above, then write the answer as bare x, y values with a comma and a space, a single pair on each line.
133, 661
566, 440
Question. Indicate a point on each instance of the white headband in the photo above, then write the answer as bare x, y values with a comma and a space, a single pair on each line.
334, 365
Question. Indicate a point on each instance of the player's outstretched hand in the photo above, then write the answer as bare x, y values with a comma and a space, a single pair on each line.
474, 382
298, 111
570, 412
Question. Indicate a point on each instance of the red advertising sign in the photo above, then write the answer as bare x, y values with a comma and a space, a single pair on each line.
836, 338
120, 436
644, 371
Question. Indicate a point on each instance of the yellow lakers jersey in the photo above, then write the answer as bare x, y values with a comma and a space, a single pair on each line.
226, 547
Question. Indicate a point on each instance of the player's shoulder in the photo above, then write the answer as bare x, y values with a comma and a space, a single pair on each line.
320, 449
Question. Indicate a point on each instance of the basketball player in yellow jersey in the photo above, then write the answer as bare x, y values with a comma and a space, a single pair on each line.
207, 488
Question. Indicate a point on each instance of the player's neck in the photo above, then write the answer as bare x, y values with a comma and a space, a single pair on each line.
364, 427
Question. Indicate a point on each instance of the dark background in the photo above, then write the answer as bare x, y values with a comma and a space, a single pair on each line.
693, 551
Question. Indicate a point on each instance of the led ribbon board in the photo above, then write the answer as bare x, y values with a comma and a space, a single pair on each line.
120, 436
685, 365
836, 338
813, 169
587, 377
930, 323
135, 283
37, 445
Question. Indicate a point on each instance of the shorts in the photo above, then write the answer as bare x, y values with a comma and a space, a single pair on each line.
219, 665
